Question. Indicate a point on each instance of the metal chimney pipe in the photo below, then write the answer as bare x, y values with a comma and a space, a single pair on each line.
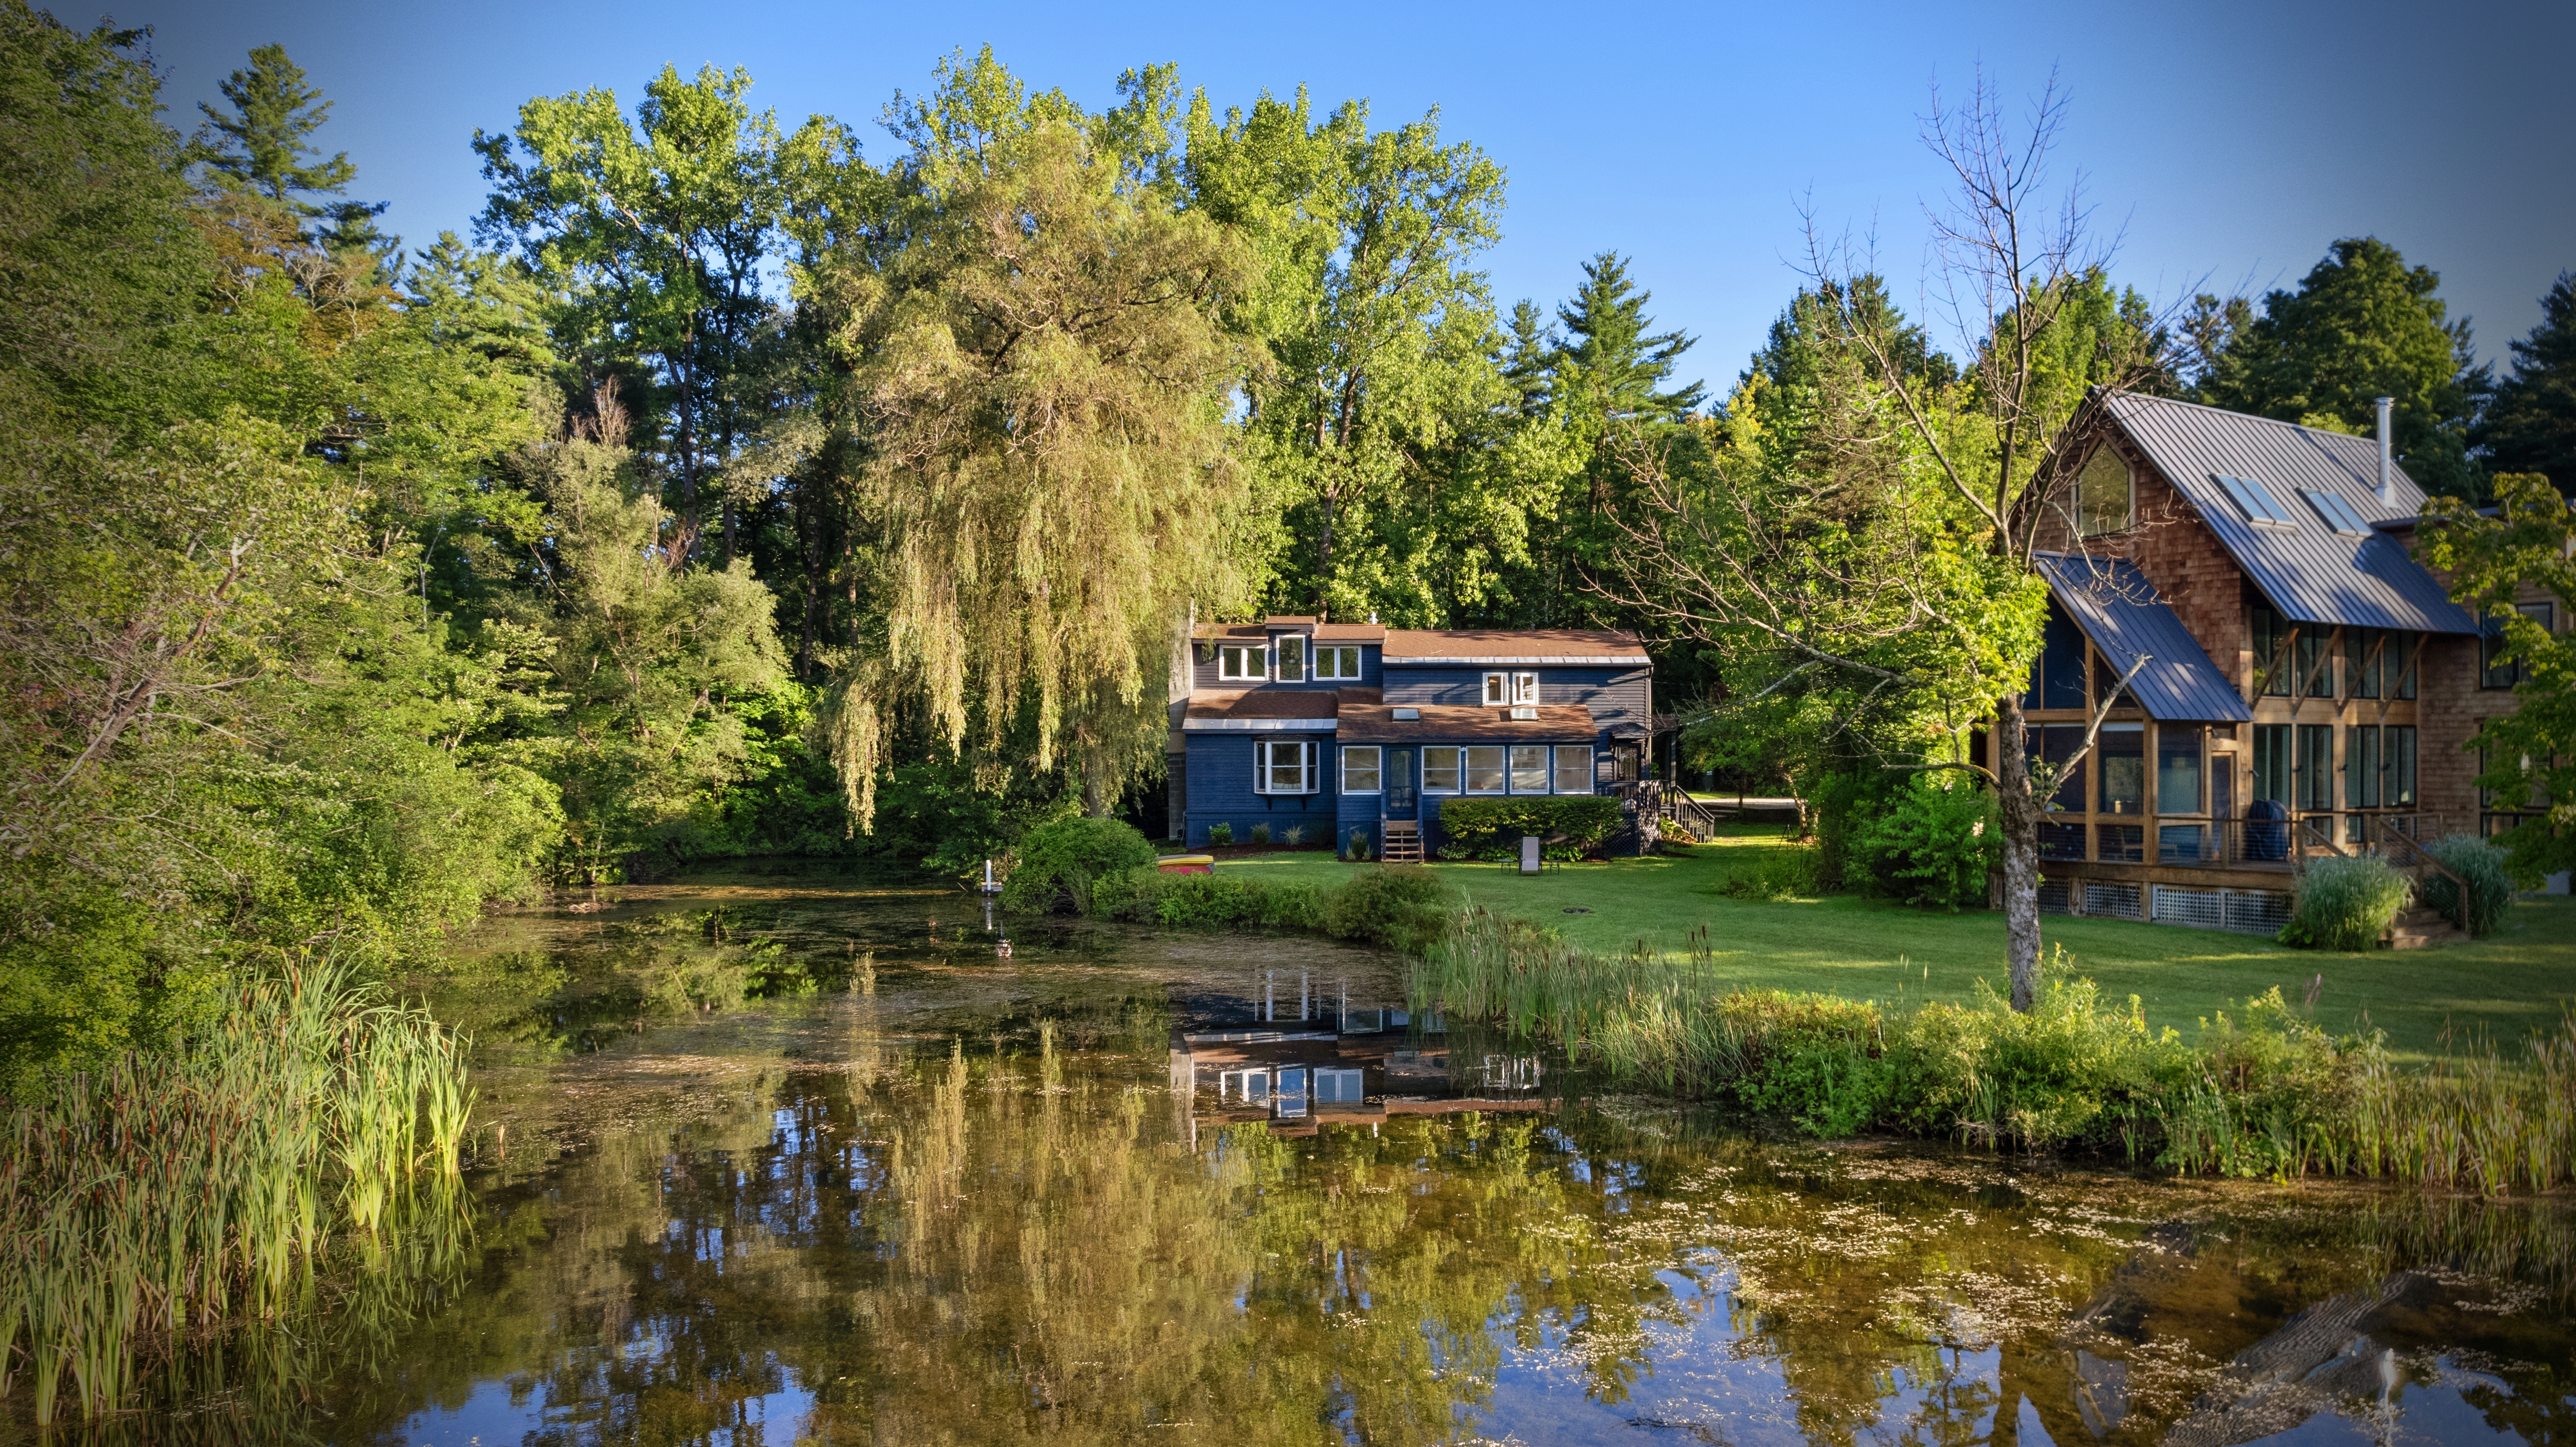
2387, 452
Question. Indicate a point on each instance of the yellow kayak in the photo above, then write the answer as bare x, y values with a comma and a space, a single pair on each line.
1186, 864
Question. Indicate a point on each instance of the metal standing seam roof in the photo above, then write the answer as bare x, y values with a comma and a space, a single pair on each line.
2118, 609
2309, 571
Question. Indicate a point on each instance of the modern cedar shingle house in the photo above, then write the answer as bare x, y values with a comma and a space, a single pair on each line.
1331, 728
2310, 686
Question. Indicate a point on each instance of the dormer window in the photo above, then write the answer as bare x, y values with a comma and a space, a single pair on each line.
1506, 689
1340, 661
2105, 495
1245, 662
1292, 658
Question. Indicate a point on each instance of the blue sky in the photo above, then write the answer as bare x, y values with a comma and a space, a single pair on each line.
2224, 144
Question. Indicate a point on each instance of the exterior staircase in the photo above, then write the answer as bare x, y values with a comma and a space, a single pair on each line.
1403, 841
2417, 927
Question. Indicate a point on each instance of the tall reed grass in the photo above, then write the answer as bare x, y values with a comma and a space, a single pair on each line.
2261, 1092
148, 1204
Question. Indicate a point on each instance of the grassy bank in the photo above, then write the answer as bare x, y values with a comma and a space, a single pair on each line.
147, 1206
1667, 910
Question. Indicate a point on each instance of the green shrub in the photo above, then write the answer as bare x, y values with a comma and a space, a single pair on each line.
1220, 834
1293, 836
1934, 842
1060, 860
1260, 833
2490, 882
1403, 905
1575, 825
1783, 872
2346, 904
1814, 1060
1358, 847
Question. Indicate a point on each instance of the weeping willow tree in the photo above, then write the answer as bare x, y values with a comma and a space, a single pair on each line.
1039, 376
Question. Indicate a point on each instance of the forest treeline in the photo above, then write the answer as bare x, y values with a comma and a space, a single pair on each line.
745, 488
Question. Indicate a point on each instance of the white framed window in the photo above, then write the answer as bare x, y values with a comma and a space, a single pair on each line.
1337, 1087
1283, 766
1440, 770
1337, 661
1292, 658
1529, 768
1360, 768
1485, 769
1498, 688
1574, 769
1249, 661
1511, 688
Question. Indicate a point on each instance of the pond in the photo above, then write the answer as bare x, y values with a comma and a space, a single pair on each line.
1116, 1186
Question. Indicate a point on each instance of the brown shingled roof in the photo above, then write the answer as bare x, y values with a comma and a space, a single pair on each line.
1279, 703
1511, 643
1450, 724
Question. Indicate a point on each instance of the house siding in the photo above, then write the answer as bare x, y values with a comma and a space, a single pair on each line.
1203, 672
1219, 769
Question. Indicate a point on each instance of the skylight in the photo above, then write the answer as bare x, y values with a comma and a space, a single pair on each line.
2253, 500
2337, 512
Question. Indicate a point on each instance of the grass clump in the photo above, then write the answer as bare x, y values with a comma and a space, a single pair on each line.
2261, 1092
2490, 883
1774, 874
2346, 904
1061, 860
168, 1194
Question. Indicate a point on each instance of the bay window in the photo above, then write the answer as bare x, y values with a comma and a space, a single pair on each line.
1283, 766
1360, 769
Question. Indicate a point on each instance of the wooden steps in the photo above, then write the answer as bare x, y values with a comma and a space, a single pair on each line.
1403, 841
2417, 927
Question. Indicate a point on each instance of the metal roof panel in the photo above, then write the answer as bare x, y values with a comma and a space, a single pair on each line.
2118, 609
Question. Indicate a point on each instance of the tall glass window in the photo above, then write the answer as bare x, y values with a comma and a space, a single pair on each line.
2316, 671
1440, 770
2177, 769
2361, 766
2270, 632
1529, 768
2272, 762
2397, 766
2055, 744
1485, 769
2123, 772
2106, 494
2398, 667
2363, 657
2312, 786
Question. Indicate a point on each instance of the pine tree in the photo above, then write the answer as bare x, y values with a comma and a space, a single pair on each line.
2530, 426
1605, 327
262, 145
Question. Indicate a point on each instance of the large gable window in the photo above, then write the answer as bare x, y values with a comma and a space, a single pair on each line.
1283, 766
2105, 495
1249, 662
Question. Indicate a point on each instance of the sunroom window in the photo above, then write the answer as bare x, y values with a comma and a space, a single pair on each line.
1529, 768
1338, 661
1574, 769
1360, 769
1249, 661
1440, 770
1485, 769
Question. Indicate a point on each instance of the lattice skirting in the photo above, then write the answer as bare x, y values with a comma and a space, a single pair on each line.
2052, 897
2112, 901
2246, 911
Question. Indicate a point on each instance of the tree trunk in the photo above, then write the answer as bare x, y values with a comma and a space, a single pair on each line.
2020, 809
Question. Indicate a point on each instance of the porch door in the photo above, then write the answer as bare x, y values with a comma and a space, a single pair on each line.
1289, 1100
1399, 784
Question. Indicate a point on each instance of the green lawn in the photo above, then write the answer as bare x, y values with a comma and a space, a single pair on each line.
2518, 979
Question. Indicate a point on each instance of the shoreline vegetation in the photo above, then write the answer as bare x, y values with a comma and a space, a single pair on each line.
298, 1155
2257, 1090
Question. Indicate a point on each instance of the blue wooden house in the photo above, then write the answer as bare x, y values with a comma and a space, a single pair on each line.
1336, 728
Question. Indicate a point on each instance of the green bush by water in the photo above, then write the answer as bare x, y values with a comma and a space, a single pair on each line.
2261, 1092
1576, 824
2346, 904
1061, 860
172, 1193
2490, 891
1775, 873
1405, 906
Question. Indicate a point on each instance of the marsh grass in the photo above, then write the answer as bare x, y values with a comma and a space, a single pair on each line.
149, 1205
2346, 903
2260, 1092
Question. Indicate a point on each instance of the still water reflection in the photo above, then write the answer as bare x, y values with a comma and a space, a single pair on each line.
1115, 1187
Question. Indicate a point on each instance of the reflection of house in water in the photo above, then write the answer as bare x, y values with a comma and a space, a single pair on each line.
1306, 1054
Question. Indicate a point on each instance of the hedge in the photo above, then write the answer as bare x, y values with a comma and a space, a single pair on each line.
1492, 828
